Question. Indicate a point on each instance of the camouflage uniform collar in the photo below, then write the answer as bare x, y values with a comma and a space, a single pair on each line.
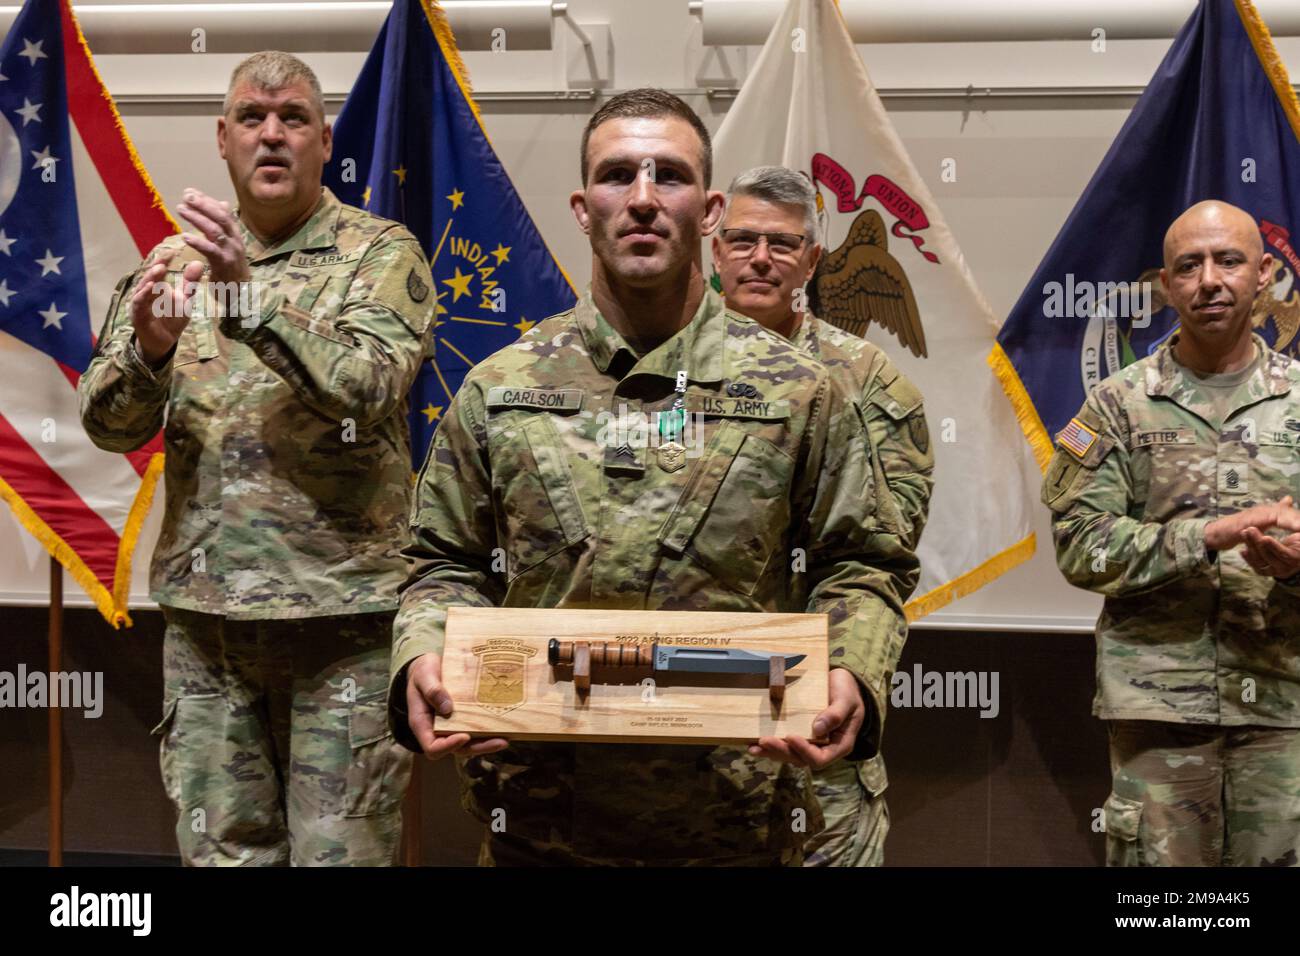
805, 338
318, 232
1167, 378
697, 347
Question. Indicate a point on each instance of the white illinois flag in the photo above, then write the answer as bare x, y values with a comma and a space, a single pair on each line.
836, 132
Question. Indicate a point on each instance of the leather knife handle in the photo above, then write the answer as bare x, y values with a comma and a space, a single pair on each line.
603, 653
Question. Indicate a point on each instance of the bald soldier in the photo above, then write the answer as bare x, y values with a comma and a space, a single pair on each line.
275, 344
1171, 495
765, 252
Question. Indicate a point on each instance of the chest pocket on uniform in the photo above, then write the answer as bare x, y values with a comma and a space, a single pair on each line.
1277, 462
734, 511
536, 495
198, 340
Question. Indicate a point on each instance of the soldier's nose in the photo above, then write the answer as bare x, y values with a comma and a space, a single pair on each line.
272, 129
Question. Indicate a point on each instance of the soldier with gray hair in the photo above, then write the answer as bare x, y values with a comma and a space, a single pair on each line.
766, 250
275, 344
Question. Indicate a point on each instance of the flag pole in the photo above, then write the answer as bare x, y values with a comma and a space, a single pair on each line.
56, 715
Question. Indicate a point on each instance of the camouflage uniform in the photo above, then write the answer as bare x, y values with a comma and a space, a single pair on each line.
1187, 637
851, 793
530, 499
288, 481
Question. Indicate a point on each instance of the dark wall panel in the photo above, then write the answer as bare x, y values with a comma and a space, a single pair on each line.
1017, 789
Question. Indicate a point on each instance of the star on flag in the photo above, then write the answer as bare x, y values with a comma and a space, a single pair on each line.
33, 51
52, 316
29, 111
43, 158
459, 284
50, 264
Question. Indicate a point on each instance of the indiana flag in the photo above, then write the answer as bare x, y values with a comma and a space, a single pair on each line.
409, 145
1219, 120
76, 212
918, 302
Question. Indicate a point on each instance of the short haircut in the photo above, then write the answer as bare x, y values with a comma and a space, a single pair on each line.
274, 70
649, 102
779, 184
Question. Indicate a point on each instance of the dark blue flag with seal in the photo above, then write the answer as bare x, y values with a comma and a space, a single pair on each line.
409, 145
1218, 120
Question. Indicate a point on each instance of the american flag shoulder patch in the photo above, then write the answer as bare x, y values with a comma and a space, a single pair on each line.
1076, 438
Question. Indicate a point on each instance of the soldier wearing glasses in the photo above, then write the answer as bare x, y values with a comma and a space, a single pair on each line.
765, 252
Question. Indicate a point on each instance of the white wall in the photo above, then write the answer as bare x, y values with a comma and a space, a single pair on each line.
1021, 164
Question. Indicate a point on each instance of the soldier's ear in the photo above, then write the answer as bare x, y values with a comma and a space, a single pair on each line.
1265, 273
715, 204
812, 264
327, 140
578, 203
221, 136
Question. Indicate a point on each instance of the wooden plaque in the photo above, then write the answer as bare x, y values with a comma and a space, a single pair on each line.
495, 666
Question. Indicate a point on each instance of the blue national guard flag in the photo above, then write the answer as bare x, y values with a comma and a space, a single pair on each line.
1219, 120
409, 145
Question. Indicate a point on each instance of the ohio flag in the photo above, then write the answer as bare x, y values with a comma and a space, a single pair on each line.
808, 104
76, 212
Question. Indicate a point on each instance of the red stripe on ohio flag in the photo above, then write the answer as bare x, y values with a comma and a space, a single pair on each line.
91, 109
46, 493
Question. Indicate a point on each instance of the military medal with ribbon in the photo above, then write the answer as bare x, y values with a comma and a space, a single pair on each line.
672, 425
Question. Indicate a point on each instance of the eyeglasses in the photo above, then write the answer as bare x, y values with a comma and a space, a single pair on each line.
741, 243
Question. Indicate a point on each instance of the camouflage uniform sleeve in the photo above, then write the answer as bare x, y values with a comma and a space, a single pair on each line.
895, 416
449, 553
854, 562
120, 397
1099, 545
361, 364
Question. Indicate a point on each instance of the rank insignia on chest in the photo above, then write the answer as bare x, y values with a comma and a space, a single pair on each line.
624, 458
1076, 438
1233, 477
672, 456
